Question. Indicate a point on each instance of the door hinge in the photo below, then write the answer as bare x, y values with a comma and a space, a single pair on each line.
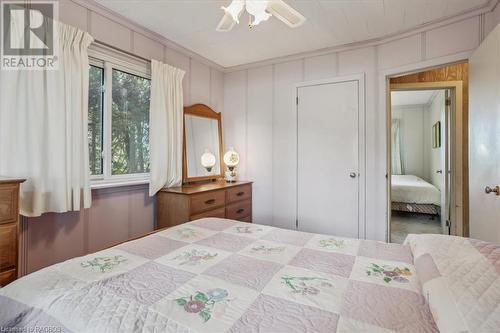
297, 224
297, 100
448, 102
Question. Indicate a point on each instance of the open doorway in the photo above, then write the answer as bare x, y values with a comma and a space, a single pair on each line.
452, 212
420, 162
453, 79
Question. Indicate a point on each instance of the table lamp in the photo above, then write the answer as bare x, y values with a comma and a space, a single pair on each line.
231, 160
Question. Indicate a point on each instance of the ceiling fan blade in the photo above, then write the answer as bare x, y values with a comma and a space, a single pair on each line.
226, 23
285, 13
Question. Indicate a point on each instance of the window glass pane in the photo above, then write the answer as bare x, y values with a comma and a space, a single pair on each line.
96, 81
130, 124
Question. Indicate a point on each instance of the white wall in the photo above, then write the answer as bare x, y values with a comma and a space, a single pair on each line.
260, 119
412, 130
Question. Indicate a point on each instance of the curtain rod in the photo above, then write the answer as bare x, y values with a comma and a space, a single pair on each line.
114, 48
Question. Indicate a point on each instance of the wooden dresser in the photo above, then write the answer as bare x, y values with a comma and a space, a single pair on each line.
9, 229
178, 205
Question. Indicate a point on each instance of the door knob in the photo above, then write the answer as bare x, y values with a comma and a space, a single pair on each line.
352, 175
495, 190
439, 171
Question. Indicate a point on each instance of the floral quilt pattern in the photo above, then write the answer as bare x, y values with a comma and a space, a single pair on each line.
218, 275
333, 243
195, 257
203, 303
305, 285
104, 264
389, 273
267, 249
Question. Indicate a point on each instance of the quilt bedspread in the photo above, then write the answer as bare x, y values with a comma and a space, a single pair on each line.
217, 275
461, 280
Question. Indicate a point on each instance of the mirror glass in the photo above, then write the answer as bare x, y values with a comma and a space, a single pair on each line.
202, 146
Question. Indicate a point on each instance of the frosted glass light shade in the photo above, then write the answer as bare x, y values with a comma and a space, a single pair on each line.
231, 158
208, 160
258, 10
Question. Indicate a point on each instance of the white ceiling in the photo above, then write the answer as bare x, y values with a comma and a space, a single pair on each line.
415, 97
191, 23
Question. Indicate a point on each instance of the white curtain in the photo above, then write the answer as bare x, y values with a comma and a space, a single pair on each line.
43, 128
165, 126
396, 158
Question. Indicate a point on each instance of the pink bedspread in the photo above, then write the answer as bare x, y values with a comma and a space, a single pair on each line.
216, 275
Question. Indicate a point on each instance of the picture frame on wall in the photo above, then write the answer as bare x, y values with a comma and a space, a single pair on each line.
436, 135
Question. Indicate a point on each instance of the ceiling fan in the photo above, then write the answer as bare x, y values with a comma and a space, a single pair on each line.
260, 10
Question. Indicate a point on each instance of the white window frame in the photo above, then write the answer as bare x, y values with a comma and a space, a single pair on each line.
109, 59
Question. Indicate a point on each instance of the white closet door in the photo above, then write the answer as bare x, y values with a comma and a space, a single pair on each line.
328, 150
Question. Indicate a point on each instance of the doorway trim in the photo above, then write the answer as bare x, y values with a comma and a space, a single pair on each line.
457, 204
361, 79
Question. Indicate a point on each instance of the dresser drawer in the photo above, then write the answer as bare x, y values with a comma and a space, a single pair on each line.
219, 212
7, 277
8, 245
239, 210
207, 201
8, 203
239, 193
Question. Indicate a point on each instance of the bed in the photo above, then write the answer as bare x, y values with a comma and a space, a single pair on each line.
411, 193
217, 275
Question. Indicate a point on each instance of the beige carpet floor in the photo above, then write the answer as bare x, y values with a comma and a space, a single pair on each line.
403, 223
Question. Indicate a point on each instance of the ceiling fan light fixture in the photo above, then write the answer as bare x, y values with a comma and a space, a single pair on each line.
259, 18
259, 10
235, 9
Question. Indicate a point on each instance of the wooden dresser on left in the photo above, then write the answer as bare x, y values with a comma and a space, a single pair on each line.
9, 229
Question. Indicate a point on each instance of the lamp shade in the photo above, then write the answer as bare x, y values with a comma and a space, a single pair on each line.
258, 10
208, 159
235, 9
231, 158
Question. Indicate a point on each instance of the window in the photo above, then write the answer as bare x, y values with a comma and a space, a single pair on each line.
118, 126
130, 124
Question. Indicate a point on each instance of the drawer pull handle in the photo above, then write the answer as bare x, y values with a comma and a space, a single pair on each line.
239, 194
210, 202
239, 211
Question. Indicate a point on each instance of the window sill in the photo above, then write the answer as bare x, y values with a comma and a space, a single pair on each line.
96, 185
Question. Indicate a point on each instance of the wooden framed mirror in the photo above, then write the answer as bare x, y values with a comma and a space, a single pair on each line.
202, 144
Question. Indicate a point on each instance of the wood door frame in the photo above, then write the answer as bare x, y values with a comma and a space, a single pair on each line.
361, 79
456, 148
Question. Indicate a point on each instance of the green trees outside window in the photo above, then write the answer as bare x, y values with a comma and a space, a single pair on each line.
129, 128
